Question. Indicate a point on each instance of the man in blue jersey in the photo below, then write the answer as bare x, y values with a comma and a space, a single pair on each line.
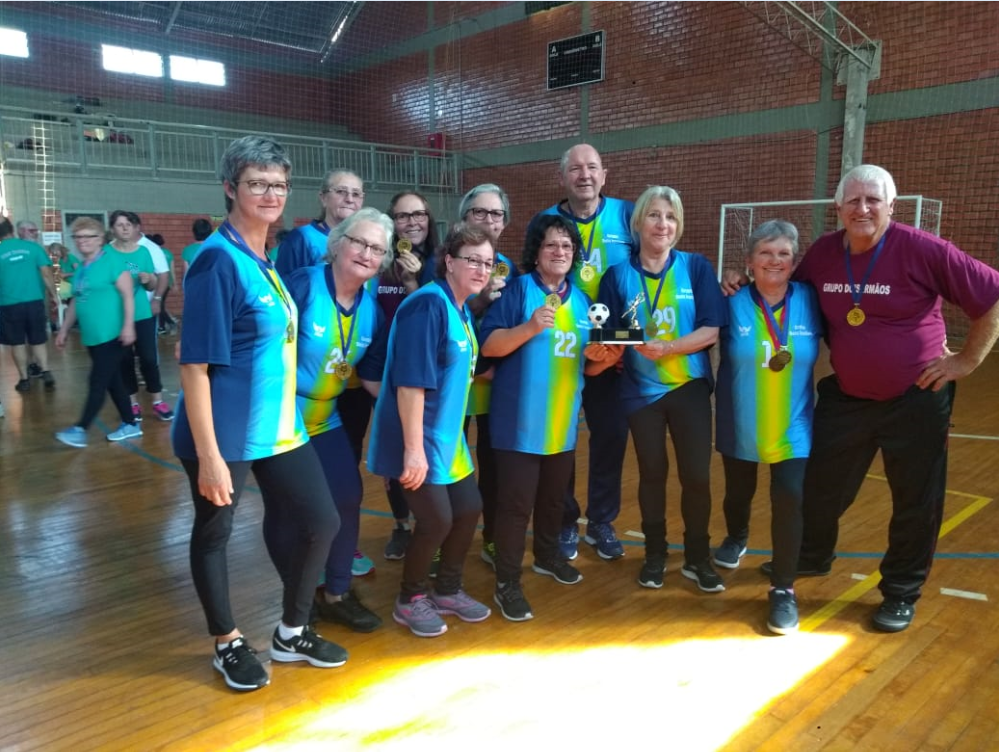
604, 226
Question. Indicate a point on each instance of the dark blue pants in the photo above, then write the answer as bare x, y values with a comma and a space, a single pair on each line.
344, 481
105, 375
149, 359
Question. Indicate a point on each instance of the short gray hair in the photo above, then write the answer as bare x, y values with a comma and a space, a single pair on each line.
564, 162
867, 173
466, 201
772, 229
642, 210
366, 214
247, 151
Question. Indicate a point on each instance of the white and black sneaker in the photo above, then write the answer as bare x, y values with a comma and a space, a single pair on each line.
513, 605
307, 646
240, 667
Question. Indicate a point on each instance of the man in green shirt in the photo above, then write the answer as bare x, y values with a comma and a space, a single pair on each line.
25, 277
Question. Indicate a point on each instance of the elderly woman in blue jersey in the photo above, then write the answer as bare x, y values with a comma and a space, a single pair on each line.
674, 297
237, 413
538, 330
764, 405
487, 207
337, 323
417, 435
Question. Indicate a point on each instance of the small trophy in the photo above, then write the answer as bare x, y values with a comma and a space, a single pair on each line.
629, 335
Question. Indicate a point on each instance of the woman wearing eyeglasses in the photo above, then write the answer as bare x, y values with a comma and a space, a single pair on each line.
339, 323
237, 413
417, 436
538, 332
487, 206
342, 195
104, 305
414, 243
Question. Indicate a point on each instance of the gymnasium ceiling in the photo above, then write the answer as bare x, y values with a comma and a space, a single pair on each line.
305, 26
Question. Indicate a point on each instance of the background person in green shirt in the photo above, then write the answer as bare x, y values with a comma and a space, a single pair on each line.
25, 276
104, 303
201, 229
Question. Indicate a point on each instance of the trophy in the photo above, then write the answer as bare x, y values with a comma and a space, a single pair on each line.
628, 335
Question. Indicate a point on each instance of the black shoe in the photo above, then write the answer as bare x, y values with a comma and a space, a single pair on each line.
561, 570
513, 605
651, 575
307, 646
893, 615
48, 380
804, 570
240, 667
348, 611
704, 575
24, 385
34, 370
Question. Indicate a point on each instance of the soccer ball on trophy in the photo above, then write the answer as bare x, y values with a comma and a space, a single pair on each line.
598, 314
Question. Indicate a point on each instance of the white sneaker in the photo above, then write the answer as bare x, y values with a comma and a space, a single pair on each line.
125, 431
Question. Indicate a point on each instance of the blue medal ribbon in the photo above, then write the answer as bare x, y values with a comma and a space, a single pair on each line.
267, 269
856, 292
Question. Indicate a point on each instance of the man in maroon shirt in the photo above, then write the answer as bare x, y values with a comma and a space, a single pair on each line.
880, 286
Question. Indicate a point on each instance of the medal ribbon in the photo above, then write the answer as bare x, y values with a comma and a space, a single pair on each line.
345, 344
81, 275
778, 333
267, 269
854, 292
654, 305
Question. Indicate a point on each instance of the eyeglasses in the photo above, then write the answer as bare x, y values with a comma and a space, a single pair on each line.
497, 215
260, 187
346, 193
78, 238
30, 230
476, 263
419, 215
361, 246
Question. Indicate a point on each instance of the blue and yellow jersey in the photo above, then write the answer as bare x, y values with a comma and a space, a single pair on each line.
537, 389
765, 415
303, 246
431, 346
606, 237
478, 395
241, 321
324, 327
688, 298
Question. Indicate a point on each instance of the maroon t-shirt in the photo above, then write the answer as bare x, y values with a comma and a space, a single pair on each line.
902, 300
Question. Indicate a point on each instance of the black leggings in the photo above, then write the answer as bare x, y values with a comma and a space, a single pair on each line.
105, 376
149, 359
446, 517
485, 457
294, 489
787, 481
686, 411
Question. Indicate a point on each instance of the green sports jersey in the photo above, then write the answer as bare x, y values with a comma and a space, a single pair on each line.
21, 279
137, 261
98, 303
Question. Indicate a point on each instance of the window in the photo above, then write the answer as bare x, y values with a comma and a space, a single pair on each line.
13, 42
124, 60
197, 71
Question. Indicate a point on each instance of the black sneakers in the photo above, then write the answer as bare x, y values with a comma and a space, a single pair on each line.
893, 615
651, 575
348, 611
704, 575
560, 569
240, 667
513, 605
309, 647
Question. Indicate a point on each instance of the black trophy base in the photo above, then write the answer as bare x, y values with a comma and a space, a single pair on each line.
608, 336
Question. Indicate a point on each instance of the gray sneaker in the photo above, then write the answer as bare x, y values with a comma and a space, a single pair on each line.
727, 555
461, 605
421, 616
783, 612
125, 431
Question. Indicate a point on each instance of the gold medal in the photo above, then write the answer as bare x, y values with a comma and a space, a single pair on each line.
856, 316
652, 329
553, 301
779, 360
289, 333
502, 269
587, 273
403, 245
343, 370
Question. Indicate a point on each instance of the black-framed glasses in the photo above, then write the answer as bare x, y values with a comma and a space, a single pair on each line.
78, 238
419, 215
260, 187
480, 214
361, 246
346, 193
476, 263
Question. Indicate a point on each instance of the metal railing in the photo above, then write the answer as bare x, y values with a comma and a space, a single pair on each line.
89, 145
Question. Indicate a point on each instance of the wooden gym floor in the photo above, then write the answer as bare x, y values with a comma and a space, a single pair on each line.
104, 644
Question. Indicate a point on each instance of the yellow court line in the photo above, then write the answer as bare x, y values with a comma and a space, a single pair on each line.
868, 583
